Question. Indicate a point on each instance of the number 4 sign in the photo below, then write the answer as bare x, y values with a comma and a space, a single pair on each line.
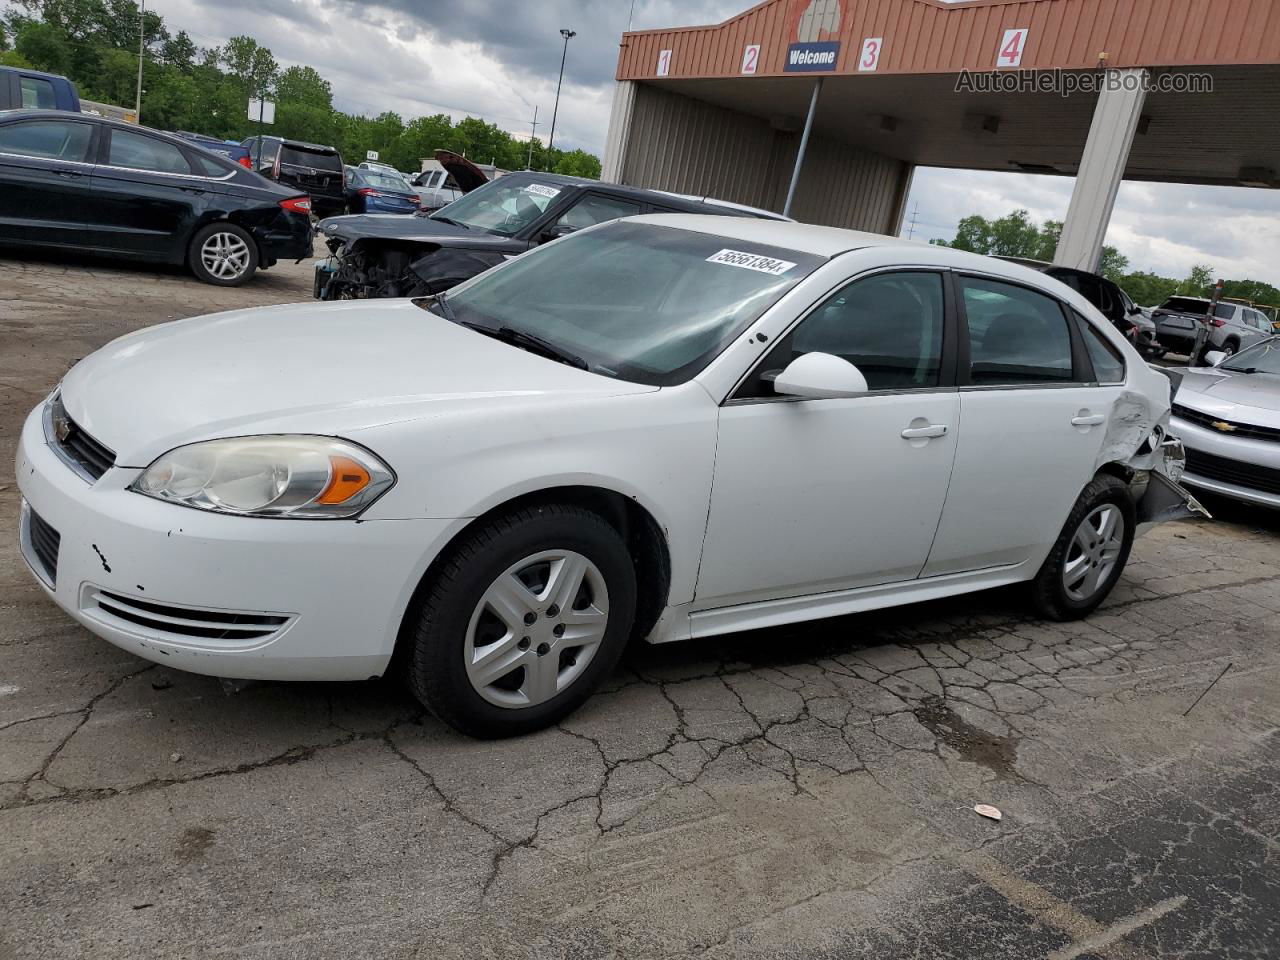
664, 62
870, 59
1011, 47
751, 58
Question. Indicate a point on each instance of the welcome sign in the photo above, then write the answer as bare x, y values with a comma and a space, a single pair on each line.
816, 24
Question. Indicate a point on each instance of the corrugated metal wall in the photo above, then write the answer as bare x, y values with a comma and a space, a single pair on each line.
688, 146
927, 36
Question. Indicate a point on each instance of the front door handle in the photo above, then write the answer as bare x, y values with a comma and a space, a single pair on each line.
925, 433
70, 174
1088, 420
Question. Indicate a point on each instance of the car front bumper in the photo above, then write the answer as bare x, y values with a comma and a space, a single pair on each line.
241, 597
1235, 467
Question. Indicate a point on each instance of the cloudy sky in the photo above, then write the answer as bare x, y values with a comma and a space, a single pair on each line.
499, 59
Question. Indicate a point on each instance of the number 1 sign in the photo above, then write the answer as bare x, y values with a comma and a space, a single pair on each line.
870, 59
1011, 47
664, 62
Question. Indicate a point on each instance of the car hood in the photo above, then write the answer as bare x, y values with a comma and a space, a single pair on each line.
1246, 397
421, 229
332, 369
465, 173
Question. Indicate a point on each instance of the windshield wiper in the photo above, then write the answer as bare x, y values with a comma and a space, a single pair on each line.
536, 344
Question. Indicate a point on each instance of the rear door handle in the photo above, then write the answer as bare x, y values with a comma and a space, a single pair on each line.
1088, 420
925, 433
70, 174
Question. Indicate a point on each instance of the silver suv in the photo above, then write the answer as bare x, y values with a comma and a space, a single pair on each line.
1232, 326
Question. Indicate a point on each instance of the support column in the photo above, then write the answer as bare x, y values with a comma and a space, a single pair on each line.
1106, 154
804, 145
615, 145
899, 212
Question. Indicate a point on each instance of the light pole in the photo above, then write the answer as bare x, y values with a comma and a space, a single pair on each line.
568, 35
142, 36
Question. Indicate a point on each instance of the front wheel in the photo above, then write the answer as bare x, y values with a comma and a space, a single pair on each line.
223, 254
523, 621
1090, 553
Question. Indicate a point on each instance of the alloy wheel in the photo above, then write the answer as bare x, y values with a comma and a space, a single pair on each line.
225, 256
1093, 553
536, 628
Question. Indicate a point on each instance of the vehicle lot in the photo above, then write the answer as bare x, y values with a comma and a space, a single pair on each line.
802, 792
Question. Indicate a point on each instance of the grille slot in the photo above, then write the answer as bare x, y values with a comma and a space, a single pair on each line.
45, 542
1245, 431
79, 450
1235, 472
189, 621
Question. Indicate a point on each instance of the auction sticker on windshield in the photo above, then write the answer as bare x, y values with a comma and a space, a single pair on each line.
751, 261
542, 191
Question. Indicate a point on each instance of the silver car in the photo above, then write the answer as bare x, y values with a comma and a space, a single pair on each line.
1232, 326
1228, 418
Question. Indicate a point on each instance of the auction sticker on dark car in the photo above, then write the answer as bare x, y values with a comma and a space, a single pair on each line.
751, 261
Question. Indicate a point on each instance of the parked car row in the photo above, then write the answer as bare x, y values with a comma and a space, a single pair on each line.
427, 254
87, 183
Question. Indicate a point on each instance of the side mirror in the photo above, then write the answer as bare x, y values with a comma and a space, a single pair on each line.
820, 376
1134, 311
555, 231
1214, 357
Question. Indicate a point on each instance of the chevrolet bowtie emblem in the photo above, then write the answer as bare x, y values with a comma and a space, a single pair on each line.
1224, 427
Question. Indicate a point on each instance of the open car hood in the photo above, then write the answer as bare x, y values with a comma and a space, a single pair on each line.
465, 173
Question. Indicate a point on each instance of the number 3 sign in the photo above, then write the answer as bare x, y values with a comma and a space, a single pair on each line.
1011, 47
870, 59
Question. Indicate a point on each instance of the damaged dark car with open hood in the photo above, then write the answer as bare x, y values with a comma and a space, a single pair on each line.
374, 256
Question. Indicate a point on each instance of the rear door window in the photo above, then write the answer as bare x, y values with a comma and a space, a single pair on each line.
47, 139
38, 94
1016, 335
1108, 362
137, 151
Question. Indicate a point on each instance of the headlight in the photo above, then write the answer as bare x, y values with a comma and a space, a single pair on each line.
285, 476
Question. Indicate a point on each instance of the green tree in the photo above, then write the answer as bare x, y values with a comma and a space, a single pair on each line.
1198, 282
303, 85
180, 51
252, 65
579, 163
44, 46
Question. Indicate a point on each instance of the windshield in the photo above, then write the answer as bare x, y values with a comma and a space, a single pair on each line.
1262, 357
501, 206
636, 301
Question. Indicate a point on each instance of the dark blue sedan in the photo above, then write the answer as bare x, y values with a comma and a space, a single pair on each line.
370, 191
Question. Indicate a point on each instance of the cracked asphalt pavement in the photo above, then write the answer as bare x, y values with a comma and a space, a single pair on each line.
803, 792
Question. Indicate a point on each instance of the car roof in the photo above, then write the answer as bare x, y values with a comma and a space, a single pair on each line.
642, 194
174, 138
801, 237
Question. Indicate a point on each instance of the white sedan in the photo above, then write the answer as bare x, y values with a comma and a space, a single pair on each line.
662, 427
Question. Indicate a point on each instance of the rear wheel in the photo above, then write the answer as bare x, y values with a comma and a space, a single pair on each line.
523, 621
223, 254
1090, 553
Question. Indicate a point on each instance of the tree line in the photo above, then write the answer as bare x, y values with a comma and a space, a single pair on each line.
207, 90
1017, 235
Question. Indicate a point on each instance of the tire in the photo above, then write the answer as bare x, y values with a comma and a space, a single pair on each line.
1230, 348
223, 254
490, 673
1059, 595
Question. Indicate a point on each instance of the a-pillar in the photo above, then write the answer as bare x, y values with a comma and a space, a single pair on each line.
1106, 154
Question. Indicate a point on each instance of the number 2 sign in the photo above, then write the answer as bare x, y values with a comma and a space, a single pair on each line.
751, 58
1011, 47
664, 62
870, 59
